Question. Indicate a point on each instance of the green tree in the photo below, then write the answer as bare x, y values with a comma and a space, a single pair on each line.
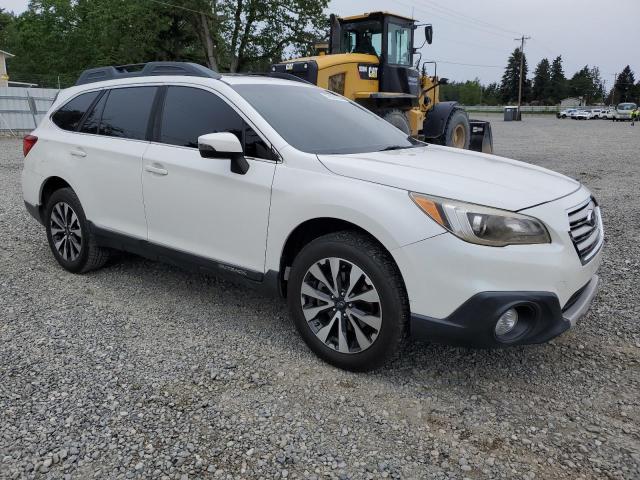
587, 83
511, 78
623, 90
558, 87
6, 21
542, 91
54, 40
57, 39
598, 85
238, 35
491, 94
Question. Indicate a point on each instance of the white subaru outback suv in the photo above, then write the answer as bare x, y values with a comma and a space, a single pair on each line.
370, 235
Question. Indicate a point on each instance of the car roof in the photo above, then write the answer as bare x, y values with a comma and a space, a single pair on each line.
229, 79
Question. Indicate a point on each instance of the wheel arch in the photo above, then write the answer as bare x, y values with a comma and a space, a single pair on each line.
309, 230
436, 121
50, 185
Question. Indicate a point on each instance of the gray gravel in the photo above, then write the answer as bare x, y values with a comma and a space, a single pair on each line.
143, 370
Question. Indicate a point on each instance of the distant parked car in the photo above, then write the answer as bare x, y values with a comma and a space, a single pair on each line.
608, 114
581, 115
623, 111
596, 113
566, 112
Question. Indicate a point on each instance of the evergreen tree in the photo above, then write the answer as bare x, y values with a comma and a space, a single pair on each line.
511, 78
491, 94
598, 85
582, 85
558, 87
541, 91
623, 90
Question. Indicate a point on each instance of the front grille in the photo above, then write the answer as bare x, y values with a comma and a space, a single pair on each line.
585, 229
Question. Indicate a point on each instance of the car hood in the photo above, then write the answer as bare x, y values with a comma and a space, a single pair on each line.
457, 174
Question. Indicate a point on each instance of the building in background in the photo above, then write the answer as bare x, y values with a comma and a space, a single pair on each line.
4, 77
571, 102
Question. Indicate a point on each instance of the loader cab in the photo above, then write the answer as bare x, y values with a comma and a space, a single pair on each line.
387, 36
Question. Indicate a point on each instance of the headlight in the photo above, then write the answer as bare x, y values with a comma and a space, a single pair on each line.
482, 225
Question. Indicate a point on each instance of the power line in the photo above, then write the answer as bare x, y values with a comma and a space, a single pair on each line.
470, 64
182, 8
470, 18
455, 20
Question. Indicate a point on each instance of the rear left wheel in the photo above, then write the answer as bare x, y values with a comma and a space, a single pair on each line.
70, 238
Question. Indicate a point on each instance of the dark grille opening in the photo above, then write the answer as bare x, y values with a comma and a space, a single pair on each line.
585, 229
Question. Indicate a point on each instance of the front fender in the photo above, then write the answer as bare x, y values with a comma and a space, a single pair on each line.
386, 213
436, 121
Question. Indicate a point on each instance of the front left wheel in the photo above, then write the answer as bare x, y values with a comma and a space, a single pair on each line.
348, 301
70, 238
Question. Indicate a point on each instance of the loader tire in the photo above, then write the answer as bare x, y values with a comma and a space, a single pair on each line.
457, 133
398, 119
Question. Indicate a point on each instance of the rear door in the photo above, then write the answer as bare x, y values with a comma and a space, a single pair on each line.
198, 205
107, 157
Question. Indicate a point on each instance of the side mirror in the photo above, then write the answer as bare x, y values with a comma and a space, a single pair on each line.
428, 33
224, 145
443, 81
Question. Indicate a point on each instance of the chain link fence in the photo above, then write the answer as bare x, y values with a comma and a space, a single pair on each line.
22, 108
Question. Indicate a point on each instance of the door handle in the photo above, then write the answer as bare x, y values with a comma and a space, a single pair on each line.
156, 170
77, 152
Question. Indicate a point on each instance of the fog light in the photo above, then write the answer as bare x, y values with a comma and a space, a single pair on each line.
507, 322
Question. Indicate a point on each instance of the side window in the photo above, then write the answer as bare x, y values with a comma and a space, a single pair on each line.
68, 117
126, 112
254, 146
190, 112
92, 120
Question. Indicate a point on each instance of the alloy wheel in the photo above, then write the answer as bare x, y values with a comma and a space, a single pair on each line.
341, 305
65, 231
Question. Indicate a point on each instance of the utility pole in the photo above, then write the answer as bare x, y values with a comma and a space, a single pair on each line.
521, 40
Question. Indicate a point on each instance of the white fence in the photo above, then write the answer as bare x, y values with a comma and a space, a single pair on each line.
523, 109
21, 109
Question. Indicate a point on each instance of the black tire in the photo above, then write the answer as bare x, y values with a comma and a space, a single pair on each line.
363, 252
398, 119
88, 256
564, 116
457, 132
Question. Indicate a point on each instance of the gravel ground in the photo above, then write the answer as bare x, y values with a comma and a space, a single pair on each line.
143, 370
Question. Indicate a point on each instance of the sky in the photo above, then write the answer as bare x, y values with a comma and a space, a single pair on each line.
481, 34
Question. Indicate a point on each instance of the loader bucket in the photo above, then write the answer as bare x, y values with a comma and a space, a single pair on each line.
481, 137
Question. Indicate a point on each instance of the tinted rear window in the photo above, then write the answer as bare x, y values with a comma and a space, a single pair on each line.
68, 117
126, 112
92, 120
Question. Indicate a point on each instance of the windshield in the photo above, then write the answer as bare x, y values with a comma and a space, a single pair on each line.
322, 122
627, 106
361, 37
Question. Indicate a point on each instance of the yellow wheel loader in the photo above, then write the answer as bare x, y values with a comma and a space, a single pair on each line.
370, 59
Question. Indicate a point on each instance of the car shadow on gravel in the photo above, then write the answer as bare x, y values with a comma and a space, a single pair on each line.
208, 302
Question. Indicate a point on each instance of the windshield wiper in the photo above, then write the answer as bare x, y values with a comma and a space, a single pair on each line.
395, 147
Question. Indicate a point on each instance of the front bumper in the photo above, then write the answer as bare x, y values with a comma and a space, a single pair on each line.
473, 323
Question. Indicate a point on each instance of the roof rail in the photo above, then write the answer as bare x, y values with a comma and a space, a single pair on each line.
281, 75
145, 70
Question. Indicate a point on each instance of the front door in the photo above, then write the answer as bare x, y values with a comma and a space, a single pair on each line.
198, 205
